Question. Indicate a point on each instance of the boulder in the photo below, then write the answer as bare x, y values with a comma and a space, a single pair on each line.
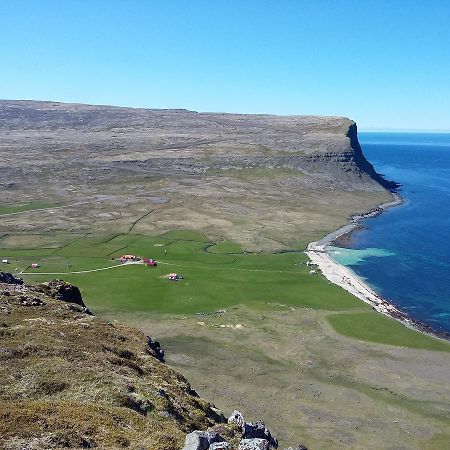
237, 418
258, 430
220, 446
156, 347
9, 278
254, 444
30, 301
77, 308
216, 413
201, 440
60, 290
298, 447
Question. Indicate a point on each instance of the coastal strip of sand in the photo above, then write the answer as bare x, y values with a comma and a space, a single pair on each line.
344, 277
347, 279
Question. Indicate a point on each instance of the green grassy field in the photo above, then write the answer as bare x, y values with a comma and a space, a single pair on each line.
369, 326
216, 276
24, 207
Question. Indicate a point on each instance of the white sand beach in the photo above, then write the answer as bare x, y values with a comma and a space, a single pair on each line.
346, 278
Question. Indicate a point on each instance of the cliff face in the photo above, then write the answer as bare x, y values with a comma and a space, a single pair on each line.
362, 163
181, 142
69, 379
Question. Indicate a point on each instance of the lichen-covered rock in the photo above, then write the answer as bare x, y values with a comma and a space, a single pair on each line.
298, 447
196, 441
60, 290
30, 301
220, 446
258, 430
237, 418
9, 278
156, 347
252, 430
254, 444
201, 440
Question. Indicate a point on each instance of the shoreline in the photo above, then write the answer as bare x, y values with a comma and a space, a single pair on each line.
355, 220
348, 280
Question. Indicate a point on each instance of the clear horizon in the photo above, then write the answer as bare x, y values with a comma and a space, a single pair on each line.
384, 64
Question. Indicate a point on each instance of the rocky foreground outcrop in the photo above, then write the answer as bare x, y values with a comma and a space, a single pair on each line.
71, 380
237, 434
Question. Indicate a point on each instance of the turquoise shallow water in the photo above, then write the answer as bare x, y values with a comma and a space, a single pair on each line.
404, 253
352, 257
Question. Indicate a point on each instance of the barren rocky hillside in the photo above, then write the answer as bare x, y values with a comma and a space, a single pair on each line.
259, 179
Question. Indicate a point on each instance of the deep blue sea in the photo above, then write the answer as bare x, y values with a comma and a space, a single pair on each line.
404, 253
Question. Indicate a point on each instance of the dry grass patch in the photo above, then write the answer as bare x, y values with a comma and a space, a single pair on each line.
72, 380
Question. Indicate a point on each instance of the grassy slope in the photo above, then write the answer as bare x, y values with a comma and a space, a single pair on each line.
25, 207
73, 380
377, 328
213, 280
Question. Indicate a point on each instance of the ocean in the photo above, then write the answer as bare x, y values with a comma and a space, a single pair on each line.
404, 253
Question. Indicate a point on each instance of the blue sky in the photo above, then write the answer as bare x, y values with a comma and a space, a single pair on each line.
385, 64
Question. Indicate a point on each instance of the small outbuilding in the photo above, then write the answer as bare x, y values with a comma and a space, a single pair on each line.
128, 258
34, 265
149, 262
5, 261
174, 277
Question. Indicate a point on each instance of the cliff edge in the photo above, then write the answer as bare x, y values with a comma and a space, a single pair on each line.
71, 380
363, 164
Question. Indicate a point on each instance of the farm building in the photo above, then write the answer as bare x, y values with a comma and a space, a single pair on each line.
5, 261
174, 277
149, 262
34, 265
127, 258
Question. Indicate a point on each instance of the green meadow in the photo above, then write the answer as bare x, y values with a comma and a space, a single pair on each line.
215, 276
24, 207
369, 326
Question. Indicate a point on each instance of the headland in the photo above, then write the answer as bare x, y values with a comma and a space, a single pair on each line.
247, 324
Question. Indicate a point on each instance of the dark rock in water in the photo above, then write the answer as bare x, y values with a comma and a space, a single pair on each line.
60, 290
156, 347
254, 444
9, 278
258, 430
201, 440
